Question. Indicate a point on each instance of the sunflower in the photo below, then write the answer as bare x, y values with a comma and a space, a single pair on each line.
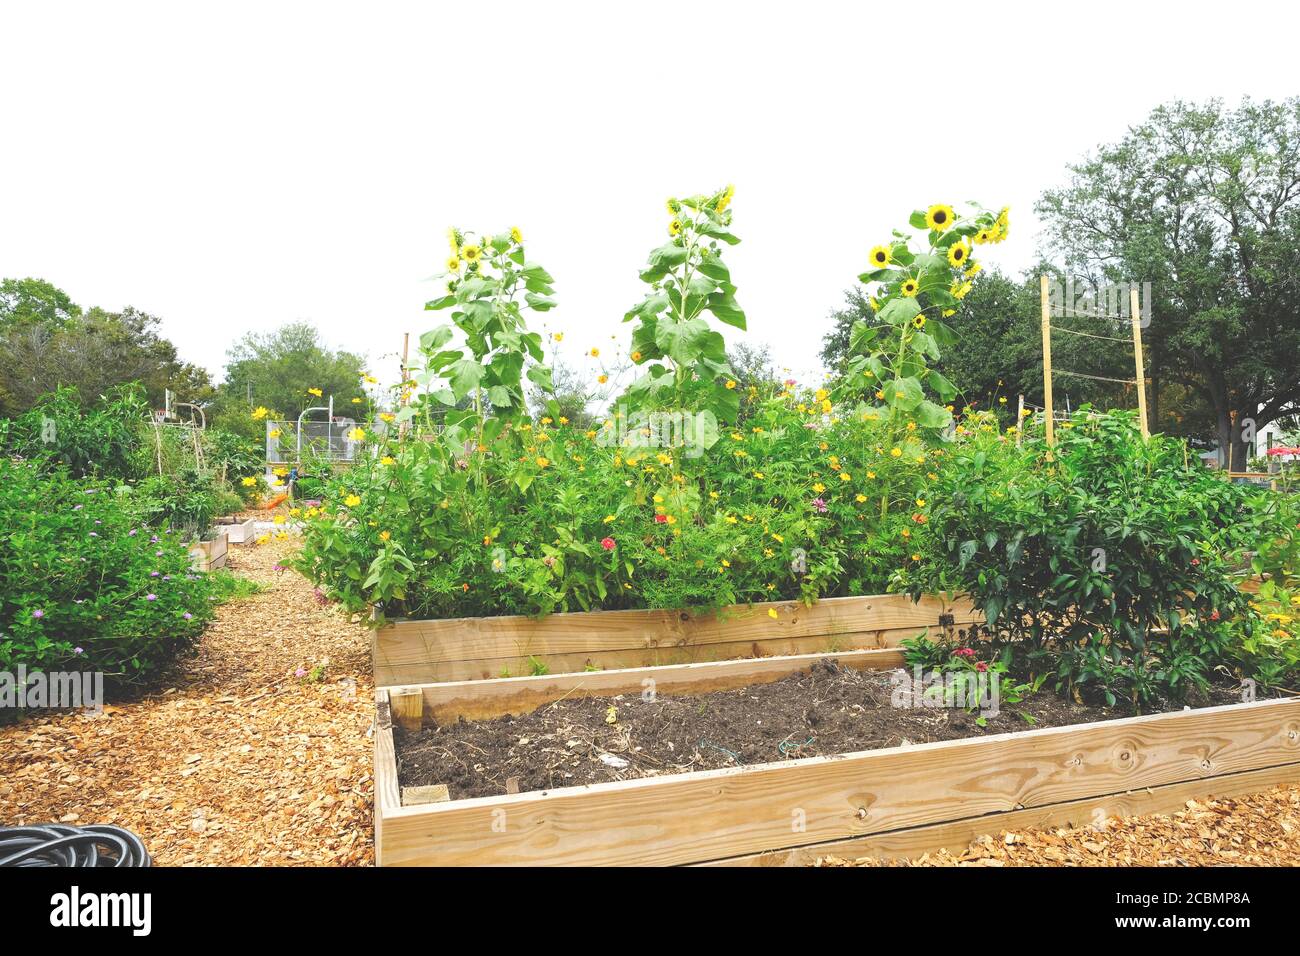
919, 321
983, 236
958, 253
939, 217
910, 287
471, 253
880, 256
453, 240
675, 227
874, 303
674, 207
725, 199
516, 236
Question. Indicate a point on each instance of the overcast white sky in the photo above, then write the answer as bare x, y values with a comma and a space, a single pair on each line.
234, 166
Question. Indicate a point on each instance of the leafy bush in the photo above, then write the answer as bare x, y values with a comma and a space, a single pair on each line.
85, 586
102, 440
186, 502
1110, 562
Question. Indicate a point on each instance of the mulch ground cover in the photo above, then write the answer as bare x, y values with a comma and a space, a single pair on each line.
237, 761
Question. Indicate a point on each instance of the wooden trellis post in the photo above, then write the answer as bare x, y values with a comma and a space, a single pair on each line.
1020, 420
1137, 359
1047, 362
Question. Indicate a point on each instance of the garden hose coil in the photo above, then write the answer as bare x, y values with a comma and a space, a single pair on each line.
56, 844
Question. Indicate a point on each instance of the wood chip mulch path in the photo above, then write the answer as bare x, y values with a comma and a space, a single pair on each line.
237, 762
1258, 829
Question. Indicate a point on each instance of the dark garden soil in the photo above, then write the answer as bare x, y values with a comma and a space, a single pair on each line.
828, 710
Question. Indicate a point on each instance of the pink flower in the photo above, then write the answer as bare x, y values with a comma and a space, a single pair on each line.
151, 597
981, 667
819, 505
661, 519
38, 614
607, 544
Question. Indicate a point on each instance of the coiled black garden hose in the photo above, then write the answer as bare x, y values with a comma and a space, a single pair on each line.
55, 844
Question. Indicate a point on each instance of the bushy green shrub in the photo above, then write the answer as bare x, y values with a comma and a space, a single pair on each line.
186, 502
85, 586
103, 440
1111, 563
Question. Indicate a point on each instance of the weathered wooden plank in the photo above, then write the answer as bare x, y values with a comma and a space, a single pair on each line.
710, 815
477, 648
958, 835
387, 794
481, 700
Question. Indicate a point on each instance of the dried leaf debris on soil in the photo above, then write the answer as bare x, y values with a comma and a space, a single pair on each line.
235, 761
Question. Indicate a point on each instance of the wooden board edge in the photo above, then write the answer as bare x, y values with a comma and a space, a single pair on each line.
447, 702
956, 835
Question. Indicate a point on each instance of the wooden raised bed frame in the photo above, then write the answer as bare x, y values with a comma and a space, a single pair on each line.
900, 801
478, 648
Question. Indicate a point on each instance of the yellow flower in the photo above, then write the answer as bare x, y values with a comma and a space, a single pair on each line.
542, 462
249, 482
314, 391
595, 353
352, 501
356, 401
880, 256
731, 383
386, 416
453, 240
453, 264
357, 434
860, 498
602, 379
910, 287
558, 336
563, 420
388, 460
874, 303
958, 253
896, 452
771, 612
675, 227
636, 356
919, 321
273, 433
471, 253
516, 236
975, 269
280, 472
845, 476
263, 538
938, 217
725, 200
279, 519
819, 487
260, 412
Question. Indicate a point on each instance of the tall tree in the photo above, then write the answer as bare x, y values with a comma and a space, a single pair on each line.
276, 369
91, 352
25, 303
1203, 202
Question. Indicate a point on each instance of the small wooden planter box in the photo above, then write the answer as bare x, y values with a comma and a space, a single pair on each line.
478, 648
896, 802
209, 555
238, 530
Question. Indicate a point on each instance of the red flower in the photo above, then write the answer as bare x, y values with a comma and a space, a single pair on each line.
661, 519
607, 544
1195, 561
981, 667
1214, 615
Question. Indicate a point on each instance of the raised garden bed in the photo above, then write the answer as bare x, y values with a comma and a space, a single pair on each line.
210, 553
897, 800
238, 530
416, 652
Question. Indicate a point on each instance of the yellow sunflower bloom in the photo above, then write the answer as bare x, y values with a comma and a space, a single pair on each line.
958, 253
880, 256
909, 288
939, 217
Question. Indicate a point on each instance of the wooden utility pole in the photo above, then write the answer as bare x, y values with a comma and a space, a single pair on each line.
1134, 314
1047, 362
1020, 419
